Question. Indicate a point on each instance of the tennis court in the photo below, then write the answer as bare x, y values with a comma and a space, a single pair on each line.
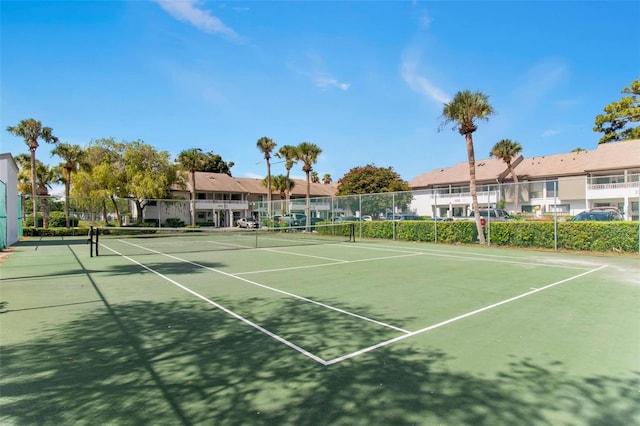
241, 328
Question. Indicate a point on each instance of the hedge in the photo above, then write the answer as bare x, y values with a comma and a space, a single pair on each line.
616, 237
619, 237
54, 232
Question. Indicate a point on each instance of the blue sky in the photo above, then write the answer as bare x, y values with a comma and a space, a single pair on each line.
363, 80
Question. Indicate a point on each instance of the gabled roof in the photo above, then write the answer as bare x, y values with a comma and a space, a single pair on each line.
609, 157
487, 170
255, 186
220, 182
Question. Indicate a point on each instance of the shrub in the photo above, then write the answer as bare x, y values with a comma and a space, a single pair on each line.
174, 222
583, 236
150, 223
58, 219
55, 232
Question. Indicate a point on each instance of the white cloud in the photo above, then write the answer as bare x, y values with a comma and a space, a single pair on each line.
541, 80
550, 132
190, 12
418, 83
320, 77
425, 19
323, 82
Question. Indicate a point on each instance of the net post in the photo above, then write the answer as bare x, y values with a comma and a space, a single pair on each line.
352, 232
91, 241
97, 240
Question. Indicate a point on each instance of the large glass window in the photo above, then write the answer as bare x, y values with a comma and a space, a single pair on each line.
551, 186
460, 190
536, 189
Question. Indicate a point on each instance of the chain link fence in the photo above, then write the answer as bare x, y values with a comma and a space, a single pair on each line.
555, 201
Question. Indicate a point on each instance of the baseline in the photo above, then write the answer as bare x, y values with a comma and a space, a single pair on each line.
467, 257
459, 317
286, 293
225, 310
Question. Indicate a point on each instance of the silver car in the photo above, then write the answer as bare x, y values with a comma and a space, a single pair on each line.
247, 222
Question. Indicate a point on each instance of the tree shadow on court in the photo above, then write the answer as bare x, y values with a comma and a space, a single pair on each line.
162, 267
183, 362
53, 241
128, 270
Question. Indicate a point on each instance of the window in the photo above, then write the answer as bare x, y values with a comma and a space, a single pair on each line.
536, 189
551, 186
460, 190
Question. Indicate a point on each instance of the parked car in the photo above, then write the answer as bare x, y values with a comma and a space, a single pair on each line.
442, 219
597, 215
404, 217
293, 219
493, 214
607, 209
367, 218
247, 222
346, 219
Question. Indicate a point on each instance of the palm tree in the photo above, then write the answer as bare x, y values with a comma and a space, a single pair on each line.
31, 130
288, 154
282, 184
73, 156
308, 153
189, 160
266, 145
314, 177
462, 111
45, 177
506, 149
326, 179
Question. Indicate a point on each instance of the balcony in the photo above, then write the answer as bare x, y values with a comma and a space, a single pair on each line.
484, 197
613, 190
222, 205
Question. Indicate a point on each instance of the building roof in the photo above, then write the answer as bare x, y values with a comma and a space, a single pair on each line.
220, 182
9, 159
609, 157
487, 170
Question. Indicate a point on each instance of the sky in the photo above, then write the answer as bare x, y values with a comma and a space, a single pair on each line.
366, 81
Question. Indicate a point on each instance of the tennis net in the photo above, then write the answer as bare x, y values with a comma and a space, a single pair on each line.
142, 240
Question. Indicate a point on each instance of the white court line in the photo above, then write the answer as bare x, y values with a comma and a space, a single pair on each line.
227, 311
451, 320
340, 262
303, 255
286, 293
474, 259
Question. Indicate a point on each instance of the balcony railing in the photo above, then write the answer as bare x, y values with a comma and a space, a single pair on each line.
610, 186
222, 204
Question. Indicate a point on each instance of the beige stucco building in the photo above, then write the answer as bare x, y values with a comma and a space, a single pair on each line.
563, 183
221, 200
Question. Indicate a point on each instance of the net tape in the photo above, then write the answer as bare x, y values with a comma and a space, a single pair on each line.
141, 240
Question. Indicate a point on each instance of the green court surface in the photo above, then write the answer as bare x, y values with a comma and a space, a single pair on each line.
349, 333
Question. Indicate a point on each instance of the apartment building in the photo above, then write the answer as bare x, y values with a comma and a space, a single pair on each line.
564, 183
221, 200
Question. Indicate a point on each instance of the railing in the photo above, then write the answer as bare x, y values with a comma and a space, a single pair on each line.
610, 186
222, 204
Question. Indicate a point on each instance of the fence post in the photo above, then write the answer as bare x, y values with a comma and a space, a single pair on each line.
555, 215
435, 215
